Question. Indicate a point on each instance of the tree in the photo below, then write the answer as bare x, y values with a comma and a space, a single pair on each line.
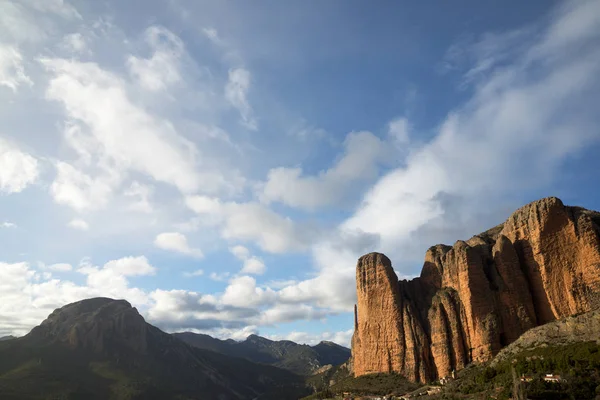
518, 393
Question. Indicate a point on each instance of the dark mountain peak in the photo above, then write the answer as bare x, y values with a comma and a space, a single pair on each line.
327, 343
87, 307
97, 324
258, 339
95, 348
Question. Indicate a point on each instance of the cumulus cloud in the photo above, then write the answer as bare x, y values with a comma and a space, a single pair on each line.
7, 224
177, 242
179, 309
79, 224
236, 93
362, 152
252, 265
242, 291
17, 169
252, 221
28, 297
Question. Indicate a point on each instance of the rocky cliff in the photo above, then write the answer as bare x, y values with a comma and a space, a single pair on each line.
477, 296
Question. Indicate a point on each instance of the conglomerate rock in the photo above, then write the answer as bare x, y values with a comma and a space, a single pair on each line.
476, 297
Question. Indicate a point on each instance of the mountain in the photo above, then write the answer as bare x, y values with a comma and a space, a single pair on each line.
298, 358
474, 298
103, 349
6, 338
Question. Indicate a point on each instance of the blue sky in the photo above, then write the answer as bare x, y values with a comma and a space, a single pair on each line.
222, 165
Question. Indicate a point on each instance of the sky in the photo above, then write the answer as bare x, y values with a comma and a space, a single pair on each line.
222, 165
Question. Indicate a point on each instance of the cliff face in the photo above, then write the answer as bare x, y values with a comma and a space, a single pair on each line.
476, 297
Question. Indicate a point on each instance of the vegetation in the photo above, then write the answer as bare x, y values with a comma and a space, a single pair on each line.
578, 364
298, 358
373, 384
43, 371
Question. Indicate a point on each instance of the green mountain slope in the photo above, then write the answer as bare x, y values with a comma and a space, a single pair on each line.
298, 358
103, 349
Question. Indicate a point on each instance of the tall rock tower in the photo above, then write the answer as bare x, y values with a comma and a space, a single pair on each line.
479, 295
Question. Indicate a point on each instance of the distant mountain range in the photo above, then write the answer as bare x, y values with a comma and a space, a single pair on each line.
103, 349
298, 358
6, 338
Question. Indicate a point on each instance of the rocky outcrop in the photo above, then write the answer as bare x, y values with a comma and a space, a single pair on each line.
476, 297
577, 328
99, 324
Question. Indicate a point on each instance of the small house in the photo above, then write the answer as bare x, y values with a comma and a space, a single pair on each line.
552, 378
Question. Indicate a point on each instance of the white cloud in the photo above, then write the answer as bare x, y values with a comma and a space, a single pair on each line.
511, 116
124, 135
80, 191
362, 152
58, 7
75, 43
212, 34
399, 131
515, 130
131, 266
219, 277
342, 337
236, 93
7, 224
252, 265
29, 297
281, 313
177, 242
79, 224
12, 72
17, 169
60, 267
162, 68
252, 221
31, 21
240, 252
196, 273
243, 292
141, 193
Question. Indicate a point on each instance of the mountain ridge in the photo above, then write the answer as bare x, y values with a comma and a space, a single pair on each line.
298, 358
103, 349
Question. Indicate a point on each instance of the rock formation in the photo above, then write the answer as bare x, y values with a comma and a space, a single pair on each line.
97, 324
476, 297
